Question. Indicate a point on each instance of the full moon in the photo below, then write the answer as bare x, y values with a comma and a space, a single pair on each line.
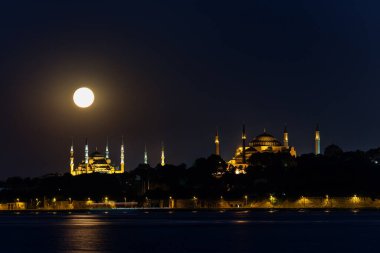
83, 97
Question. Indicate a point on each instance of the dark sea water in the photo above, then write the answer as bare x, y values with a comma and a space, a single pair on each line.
191, 231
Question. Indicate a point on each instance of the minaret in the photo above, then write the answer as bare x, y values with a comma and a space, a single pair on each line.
317, 141
107, 151
162, 154
243, 137
145, 156
72, 157
217, 148
122, 155
86, 153
286, 137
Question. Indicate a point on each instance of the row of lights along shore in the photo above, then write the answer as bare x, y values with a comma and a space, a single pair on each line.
272, 200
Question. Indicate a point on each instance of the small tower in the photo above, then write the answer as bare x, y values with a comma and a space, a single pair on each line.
286, 137
107, 151
243, 138
72, 157
317, 141
145, 156
86, 153
122, 155
217, 148
162, 154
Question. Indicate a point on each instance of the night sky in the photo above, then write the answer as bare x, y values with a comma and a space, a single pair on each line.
173, 71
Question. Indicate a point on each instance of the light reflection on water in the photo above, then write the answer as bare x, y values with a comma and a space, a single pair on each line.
180, 231
240, 221
83, 233
82, 220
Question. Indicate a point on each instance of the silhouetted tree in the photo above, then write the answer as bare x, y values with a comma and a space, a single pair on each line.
333, 151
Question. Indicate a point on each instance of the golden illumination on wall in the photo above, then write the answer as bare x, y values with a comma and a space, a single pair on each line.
355, 199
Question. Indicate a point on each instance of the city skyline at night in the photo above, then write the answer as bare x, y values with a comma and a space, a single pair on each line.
104, 151
175, 71
189, 126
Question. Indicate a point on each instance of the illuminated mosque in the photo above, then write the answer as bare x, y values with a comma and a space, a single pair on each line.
263, 143
98, 163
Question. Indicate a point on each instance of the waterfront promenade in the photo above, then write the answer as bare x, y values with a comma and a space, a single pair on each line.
353, 202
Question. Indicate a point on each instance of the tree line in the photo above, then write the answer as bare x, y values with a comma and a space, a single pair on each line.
334, 173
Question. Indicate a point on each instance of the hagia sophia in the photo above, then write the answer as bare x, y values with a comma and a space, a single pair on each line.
262, 143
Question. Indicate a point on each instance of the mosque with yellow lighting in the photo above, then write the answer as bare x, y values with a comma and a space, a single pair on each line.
99, 163
262, 143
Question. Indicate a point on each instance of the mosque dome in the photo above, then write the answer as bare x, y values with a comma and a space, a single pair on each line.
265, 139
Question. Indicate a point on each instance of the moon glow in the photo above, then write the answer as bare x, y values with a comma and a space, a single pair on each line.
83, 97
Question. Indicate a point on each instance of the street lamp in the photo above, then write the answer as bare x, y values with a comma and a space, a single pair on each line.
195, 201
272, 200
327, 201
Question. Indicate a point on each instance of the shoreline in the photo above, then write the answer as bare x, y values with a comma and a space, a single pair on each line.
194, 210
